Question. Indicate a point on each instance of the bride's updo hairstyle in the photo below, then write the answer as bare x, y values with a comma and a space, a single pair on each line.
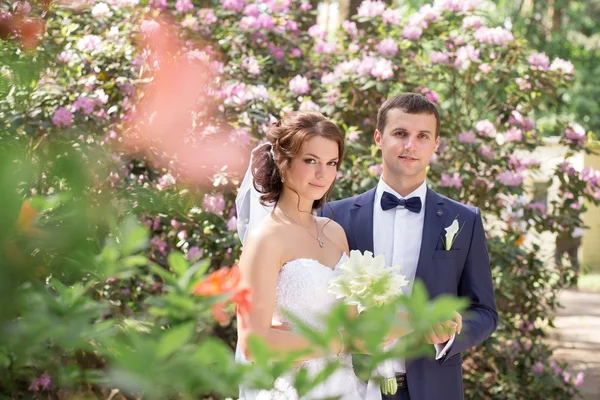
284, 141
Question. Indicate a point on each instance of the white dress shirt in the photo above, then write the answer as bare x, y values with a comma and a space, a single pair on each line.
397, 233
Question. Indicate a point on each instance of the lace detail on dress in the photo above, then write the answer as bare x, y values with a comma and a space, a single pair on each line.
302, 290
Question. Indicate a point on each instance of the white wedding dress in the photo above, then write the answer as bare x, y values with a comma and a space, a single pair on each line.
302, 290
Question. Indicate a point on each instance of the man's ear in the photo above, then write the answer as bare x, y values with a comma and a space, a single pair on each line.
378, 136
437, 143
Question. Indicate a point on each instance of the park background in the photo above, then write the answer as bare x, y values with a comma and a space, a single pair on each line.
127, 125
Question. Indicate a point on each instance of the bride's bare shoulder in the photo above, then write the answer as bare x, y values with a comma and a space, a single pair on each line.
267, 234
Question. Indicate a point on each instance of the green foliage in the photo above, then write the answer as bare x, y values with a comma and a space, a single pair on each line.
103, 245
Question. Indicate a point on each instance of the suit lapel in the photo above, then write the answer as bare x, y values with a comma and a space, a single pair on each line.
362, 221
435, 217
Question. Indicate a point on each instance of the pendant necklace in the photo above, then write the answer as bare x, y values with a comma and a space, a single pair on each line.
318, 237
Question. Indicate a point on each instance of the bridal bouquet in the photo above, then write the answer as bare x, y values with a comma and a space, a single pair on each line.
365, 281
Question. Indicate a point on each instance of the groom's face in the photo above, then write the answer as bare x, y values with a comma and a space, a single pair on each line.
407, 143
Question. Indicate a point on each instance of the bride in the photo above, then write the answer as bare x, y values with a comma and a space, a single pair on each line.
290, 255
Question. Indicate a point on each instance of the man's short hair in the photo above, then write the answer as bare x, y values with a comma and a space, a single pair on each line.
410, 103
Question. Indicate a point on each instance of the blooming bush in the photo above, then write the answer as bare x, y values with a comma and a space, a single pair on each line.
166, 139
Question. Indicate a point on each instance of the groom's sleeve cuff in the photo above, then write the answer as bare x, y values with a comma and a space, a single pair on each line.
442, 350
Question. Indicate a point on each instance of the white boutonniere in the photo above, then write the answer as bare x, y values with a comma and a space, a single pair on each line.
451, 232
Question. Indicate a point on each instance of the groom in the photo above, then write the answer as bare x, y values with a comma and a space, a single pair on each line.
405, 220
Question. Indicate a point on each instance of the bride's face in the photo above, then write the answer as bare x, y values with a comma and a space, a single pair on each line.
312, 171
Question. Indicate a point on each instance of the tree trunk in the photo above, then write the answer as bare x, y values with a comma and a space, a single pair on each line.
558, 12
343, 11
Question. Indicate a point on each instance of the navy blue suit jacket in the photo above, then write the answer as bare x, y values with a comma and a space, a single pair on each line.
463, 271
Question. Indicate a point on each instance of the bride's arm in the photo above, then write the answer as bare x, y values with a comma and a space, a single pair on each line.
259, 264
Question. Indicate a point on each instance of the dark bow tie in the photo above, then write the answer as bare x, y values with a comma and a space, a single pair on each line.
389, 201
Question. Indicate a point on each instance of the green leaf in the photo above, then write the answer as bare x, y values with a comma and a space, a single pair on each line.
133, 235
178, 263
135, 261
173, 339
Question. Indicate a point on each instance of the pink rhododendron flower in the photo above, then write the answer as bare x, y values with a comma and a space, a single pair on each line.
89, 43
159, 244
429, 13
391, 16
165, 181
299, 85
62, 117
305, 6
485, 68
517, 119
194, 253
472, 22
439, 57
466, 54
387, 47
350, 27
64, 57
159, 4
541, 207
21, 7
317, 32
251, 65
485, 128
101, 10
42, 383
232, 224
190, 22
213, 203
375, 170
353, 136
579, 379
85, 104
453, 180
325, 47
486, 151
575, 133
371, 9
498, 36
241, 137
383, 69
276, 51
591, 176
149, 26
430, 94
513, 135
467, 137
234, 5
456, 5
206, 16
252, 10
565, 67
539, 61
412, 32
510, 178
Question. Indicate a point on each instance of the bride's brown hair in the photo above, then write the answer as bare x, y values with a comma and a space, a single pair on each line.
285, 139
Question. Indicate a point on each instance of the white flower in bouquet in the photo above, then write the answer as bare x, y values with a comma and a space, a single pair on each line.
365, 281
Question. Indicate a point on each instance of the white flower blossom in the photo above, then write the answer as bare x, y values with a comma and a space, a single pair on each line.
365, 281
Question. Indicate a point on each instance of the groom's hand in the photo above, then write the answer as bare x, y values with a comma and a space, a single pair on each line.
442, 332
